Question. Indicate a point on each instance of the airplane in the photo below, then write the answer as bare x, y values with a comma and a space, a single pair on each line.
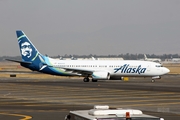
177, 60
89, 69
152, 59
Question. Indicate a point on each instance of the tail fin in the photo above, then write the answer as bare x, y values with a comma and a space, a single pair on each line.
31, 58
27, 49
145, 57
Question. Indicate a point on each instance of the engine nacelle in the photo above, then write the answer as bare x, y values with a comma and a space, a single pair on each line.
101, 75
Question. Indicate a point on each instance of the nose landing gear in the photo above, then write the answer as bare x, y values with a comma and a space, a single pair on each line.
152, 80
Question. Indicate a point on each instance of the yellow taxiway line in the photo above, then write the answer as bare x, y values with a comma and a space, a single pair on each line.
25, 117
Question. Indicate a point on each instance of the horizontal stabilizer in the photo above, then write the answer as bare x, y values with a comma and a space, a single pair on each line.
18, 61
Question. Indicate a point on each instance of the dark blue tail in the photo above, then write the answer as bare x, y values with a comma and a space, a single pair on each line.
27, 49
31, 58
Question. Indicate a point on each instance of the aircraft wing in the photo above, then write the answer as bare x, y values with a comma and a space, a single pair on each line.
79, 71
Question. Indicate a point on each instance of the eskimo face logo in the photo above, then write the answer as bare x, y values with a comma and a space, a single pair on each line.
26, 49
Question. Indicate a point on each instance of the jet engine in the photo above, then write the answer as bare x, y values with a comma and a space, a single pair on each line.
101, 75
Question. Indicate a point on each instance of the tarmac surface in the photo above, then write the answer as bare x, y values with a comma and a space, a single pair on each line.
52, 99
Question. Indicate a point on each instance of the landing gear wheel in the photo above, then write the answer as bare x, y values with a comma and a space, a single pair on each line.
86, 79
152, 81
93, 80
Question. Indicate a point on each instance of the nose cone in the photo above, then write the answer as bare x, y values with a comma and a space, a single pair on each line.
166, 70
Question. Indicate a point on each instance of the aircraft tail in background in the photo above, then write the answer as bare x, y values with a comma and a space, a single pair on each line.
145, 57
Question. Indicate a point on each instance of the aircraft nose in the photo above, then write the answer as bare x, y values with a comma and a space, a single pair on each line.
166, 70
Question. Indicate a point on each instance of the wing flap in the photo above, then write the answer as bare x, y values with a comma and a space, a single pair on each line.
79, 71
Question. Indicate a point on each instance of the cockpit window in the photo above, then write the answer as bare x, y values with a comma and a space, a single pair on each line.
159, 66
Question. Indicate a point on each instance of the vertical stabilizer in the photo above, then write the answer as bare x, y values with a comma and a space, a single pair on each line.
145, 57
27, 49
29, 53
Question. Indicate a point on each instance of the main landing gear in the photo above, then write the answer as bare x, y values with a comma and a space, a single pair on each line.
155, 77
86, 79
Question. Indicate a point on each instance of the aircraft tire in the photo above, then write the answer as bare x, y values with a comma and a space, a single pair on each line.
86, 79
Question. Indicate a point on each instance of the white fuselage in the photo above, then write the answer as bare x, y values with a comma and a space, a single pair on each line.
115, 68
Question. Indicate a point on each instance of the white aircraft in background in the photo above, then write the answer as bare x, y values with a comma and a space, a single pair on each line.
152, 59
95, 69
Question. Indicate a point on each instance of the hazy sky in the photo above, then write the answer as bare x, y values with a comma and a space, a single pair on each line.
83, 27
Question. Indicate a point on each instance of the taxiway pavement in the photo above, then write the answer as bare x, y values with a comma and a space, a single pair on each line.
52, 99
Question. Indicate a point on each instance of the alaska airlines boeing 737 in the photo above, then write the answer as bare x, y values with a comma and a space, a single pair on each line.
95, 69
